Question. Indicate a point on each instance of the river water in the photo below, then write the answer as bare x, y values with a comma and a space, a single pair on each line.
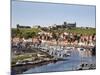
76, 58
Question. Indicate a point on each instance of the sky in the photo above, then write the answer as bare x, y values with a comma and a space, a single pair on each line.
47, 14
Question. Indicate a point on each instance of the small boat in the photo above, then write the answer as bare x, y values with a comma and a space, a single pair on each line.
82, 67
20, 63
81, 49
85, 66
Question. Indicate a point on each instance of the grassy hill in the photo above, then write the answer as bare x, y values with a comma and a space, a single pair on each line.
83, 31
32, 32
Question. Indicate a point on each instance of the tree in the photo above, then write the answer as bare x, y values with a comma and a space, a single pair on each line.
13, 33
29, 34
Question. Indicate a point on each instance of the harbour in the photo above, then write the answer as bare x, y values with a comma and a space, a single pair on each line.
64, 59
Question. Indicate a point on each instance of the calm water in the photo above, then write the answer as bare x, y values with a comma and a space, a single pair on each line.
72, 63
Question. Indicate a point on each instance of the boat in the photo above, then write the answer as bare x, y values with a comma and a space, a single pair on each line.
86, 66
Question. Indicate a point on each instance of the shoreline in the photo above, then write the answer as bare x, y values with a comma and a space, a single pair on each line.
22, 68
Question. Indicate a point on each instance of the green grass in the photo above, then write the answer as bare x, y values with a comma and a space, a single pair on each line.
82, 31
25, 32
29, 32
27, 29
90, 31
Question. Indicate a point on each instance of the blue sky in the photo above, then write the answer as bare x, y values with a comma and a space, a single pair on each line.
46, 14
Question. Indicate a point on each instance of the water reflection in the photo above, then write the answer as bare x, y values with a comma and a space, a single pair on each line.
78, 56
